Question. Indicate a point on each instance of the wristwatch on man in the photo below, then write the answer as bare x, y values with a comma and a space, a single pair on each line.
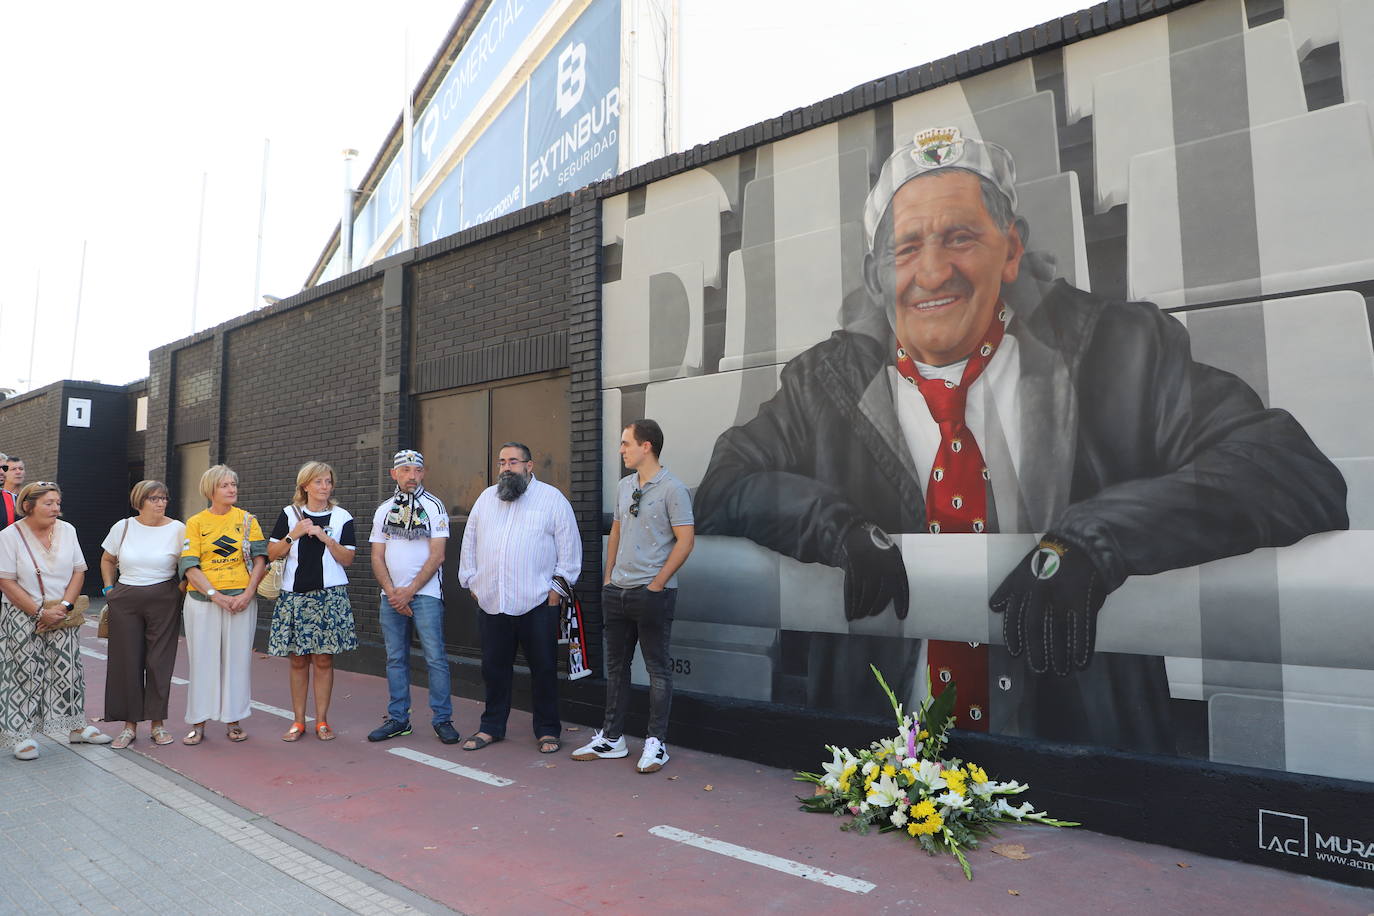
68, 605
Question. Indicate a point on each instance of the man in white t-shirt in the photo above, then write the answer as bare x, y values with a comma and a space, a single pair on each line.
409, 534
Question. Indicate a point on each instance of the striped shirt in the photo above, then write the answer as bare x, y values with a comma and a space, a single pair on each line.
512, 550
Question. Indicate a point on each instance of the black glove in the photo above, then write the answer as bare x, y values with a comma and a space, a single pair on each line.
874, 573
1049, 606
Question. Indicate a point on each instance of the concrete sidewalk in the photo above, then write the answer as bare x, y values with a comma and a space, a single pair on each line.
353, 826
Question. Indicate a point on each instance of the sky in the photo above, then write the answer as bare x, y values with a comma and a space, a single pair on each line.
116, 116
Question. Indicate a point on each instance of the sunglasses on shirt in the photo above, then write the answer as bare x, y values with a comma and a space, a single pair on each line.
637, 495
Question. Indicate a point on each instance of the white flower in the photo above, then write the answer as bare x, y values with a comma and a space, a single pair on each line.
863, 807
834, 769
869, 767
952, 801
889, 747
899, 817
1018, 812
929, 773
1006, 788
884, 792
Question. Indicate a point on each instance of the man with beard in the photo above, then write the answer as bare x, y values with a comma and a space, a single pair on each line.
409, 535
980, 399
521, 537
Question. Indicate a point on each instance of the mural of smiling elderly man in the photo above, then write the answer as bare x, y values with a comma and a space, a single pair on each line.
985, 398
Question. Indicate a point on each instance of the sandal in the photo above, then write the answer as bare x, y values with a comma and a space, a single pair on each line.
26, 750
234, 732
161, 736
550, 745
292, 734
324, 732
478, 741
88, 735
195, 736
123, 739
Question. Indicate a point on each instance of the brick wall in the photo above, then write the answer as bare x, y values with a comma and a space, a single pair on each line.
28, 428
303, 386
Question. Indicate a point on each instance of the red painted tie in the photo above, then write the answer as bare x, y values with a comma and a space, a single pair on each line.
957, 503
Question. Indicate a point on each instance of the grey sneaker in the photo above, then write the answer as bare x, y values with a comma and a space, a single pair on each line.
600, 747
654, 757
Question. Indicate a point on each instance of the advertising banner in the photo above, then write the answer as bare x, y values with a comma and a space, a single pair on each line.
574, 117
491, 185
504, 27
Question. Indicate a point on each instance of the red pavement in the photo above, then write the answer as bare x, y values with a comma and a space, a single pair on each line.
570, 837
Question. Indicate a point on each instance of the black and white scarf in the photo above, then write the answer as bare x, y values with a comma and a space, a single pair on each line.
407, 518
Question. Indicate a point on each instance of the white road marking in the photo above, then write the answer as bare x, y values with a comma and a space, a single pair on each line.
449, 766
92, 653
180, 681
754, 857
278, 711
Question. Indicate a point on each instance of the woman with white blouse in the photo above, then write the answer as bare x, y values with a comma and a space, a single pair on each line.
42, 682
143, 601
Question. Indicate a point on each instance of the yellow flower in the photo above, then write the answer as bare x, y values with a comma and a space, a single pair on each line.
889, 770
977, 773
913, 828
923, 735
924, 809
955, 780
935, 822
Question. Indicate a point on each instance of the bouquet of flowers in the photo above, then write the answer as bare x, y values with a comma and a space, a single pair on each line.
903, 783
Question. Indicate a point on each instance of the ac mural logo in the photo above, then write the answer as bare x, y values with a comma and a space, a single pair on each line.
1285, 833
1289, 834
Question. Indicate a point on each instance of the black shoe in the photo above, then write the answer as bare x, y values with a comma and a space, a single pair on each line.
389, 729
447, 733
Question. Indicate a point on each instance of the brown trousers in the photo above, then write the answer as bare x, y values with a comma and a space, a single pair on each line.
145, 621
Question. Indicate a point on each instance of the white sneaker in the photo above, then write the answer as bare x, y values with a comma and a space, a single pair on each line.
26, 750
654, 757
600, 748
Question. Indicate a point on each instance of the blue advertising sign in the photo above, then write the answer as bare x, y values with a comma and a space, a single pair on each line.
493, 167
504, 26
439, 215
574, 119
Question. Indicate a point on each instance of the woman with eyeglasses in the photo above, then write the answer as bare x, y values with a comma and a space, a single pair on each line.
143, 602
42, 682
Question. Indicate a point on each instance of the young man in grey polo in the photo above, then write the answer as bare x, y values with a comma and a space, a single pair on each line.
651, 536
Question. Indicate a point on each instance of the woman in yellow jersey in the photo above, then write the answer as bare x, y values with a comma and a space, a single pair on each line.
223, 559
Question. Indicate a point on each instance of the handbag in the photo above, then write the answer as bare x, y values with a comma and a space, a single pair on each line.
102, 630
77, 615
270, 586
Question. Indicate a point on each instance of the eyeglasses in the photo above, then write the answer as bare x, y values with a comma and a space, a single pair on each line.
157, 499
45, 483
637, 495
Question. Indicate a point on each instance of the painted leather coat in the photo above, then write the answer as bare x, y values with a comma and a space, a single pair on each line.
1149, 460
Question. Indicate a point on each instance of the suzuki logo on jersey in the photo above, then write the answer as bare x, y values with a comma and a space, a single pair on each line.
572, 77
225, 546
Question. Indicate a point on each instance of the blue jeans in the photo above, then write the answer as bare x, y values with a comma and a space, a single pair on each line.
428, 622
